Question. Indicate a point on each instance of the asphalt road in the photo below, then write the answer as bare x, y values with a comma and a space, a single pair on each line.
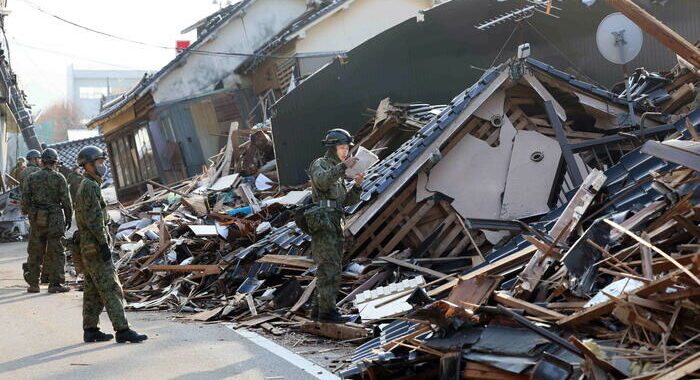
42, 339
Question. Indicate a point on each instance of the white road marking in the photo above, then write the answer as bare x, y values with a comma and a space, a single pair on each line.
298, 361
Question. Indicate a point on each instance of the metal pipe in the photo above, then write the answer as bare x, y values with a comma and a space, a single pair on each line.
643, 118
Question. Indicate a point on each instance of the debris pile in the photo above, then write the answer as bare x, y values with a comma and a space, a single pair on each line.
577, 292
603, 283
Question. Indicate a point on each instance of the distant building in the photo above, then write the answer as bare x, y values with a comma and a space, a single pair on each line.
86, 88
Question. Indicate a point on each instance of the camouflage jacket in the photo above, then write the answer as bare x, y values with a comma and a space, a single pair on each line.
46, 189
327, 181
74, 179
91, 210
16, 172
31, 168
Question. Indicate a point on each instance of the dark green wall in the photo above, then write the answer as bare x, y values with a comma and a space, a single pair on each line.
431, 61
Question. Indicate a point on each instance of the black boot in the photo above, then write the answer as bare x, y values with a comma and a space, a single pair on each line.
25, 272
95, 335
129, 335
332, 317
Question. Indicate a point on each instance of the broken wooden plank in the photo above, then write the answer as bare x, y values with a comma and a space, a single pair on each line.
647, 269
336, 331
682, 369
657, 250
206, 315
607, 307
207, 269
493, 268
251, 304
287, 260
304, 297
531, 308
256, 320
473, 292
567, 222
414, 267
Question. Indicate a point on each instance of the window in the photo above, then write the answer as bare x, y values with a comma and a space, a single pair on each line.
166, 129
92, 92
134, 160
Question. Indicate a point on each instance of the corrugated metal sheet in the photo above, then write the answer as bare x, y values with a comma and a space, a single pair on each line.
430, 61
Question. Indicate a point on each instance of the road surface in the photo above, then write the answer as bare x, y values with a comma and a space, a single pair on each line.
42, 339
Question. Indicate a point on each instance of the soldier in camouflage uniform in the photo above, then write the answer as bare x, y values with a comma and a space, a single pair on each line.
102, 289
48, 204
74, 178
326, 220
33, 166
17, 170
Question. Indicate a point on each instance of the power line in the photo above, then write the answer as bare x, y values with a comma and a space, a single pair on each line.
14, 41
190, 50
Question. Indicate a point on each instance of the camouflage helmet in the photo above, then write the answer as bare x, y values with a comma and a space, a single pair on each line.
21, 159
49, 155
338, 136
33, 153
90, 153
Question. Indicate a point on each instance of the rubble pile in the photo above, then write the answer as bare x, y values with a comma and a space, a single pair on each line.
605, 284
575, 293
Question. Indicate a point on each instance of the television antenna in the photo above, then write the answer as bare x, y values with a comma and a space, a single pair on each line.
519, 14
620, 40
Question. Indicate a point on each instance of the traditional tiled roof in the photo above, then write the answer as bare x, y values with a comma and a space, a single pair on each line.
282, 37
68, 151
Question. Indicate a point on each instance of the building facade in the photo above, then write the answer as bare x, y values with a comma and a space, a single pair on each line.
86, 89
170, 123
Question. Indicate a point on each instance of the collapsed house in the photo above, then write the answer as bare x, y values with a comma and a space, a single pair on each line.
511, 214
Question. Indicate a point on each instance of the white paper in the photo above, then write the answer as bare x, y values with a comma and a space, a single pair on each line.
204, 230
222, 230
291, 198
224, 182
616, 288
262, 182
366, 160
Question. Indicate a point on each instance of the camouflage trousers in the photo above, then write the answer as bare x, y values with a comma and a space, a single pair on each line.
44, 254
101, 290
327, 249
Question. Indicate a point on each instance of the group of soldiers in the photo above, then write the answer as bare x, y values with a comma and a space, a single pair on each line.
49, 201
46, 198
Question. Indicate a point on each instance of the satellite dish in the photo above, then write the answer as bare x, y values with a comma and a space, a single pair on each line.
619, 39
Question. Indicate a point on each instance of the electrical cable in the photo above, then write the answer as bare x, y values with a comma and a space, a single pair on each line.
14, 41
517, 25
564, 55
190, 50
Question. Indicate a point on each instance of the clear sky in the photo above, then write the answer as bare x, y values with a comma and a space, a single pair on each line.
42, 47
